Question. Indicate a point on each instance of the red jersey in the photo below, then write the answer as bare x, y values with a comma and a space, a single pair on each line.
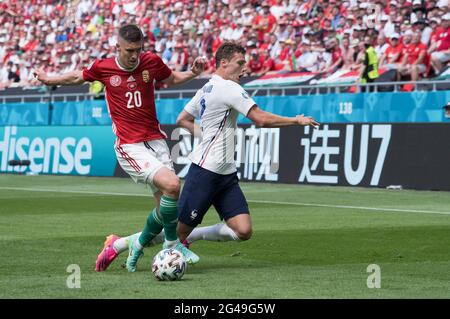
130, 96
391, 51
265, 23
414, 50
336, 55
269, 64
284, 54
436, 34
256, 65
445, 40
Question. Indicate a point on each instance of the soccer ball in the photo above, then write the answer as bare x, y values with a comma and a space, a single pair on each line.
168, 264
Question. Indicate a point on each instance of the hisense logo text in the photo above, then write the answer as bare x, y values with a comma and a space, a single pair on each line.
49, 155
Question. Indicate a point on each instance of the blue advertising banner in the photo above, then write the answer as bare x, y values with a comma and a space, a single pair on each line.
23, 114
58, 150
398, 107
80, 113
392, 107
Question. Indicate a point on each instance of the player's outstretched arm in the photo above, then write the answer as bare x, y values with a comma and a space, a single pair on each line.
187, 121
266, 119
69, 78
182, 77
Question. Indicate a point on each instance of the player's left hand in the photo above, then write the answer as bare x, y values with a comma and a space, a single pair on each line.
307, 120
40, 76
198, 66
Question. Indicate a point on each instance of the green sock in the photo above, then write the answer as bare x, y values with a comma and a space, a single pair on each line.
152, 228
169, 214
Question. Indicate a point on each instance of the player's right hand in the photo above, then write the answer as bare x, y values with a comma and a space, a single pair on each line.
307, 120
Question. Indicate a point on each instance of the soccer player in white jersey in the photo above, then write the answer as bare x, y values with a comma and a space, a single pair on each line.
212, 178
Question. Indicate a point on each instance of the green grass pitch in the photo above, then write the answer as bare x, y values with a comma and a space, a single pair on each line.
308, 242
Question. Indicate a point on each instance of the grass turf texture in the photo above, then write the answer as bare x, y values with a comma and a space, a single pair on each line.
297, 251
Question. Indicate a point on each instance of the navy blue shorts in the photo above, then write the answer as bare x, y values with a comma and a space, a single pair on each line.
204, 188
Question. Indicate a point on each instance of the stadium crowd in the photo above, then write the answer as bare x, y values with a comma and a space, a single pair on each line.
293, 35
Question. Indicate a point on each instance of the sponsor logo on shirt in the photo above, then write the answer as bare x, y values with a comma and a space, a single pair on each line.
132, 85
115, 80
131, 79
145, 76
245, 95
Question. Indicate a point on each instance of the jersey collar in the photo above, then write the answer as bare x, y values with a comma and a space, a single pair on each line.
123, 69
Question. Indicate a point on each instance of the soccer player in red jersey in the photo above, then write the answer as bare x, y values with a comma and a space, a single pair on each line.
140, 146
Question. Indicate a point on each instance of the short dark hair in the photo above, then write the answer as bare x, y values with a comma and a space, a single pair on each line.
227, 50
131, 33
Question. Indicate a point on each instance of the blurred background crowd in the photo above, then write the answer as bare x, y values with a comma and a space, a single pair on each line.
292, 35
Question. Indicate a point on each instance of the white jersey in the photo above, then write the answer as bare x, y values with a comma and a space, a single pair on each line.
218, 104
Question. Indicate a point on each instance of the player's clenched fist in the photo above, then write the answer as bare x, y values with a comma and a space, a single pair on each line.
198, 66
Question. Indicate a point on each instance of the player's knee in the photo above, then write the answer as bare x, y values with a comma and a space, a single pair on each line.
244, 233
172, 187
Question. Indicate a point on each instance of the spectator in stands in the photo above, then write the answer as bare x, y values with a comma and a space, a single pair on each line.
179, 59
440, 52
414, 60
264, 22
250, 46
393, 55
425, 30
360, 55
284, 56
255, 64
297, 45
336, 61
418, 11
281, 31
265, 44
247, 17
210, 67
435, 24
308, 60
13, 74
337, 17
347, 53
381, 46
406, 39
274, 47
278, 9
390, 25
193, 54
269, 65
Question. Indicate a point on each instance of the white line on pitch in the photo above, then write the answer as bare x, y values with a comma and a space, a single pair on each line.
72, 191
352, 207
249, 200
